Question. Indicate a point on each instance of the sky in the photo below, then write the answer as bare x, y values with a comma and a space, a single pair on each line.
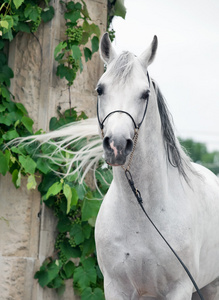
186, 66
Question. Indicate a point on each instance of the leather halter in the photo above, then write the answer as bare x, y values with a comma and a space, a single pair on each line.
137, 126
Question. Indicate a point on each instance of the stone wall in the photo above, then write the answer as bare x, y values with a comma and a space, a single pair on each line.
27, 228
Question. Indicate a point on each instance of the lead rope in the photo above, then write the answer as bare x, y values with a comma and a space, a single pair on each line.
137, 194
135, 139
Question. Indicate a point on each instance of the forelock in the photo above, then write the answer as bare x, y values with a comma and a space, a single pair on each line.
121, 67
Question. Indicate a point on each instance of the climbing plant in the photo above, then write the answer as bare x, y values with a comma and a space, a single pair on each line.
78, 32
114, 8
75, 205
16, 16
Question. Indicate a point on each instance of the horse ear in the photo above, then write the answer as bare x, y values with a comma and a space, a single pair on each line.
107, 52
147, 57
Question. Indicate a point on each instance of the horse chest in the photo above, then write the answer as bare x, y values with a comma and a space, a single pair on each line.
131, 249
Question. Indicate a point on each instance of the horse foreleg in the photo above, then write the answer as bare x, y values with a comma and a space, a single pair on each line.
209, 292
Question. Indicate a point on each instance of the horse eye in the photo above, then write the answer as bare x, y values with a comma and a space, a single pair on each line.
145, 95
100, 90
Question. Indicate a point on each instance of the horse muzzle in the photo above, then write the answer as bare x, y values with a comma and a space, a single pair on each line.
116, 150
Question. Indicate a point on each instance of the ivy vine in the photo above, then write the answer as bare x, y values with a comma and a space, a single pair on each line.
79, 30
75, 205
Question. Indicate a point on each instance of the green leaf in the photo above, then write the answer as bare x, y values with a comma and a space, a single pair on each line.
69, 269
53, 123
78, 6
3, 58
90, 209
77, 233
68, 251
64, 224
2, 44
18, 181
87, 54
10, 20
15, 19
84, 10
85, 38
68, 194
31, 182
18, 3
5, 120
74, 199
48, 273
15, 178
22, 108
5, 93
89, 294
80, 189
9, 36
120, 9
88, 247
59, 47
22, 26
86, 27
95, 44
95, 29
28, 164
42, 165
4, 159
18, 150
70, 5
54, 189
89, 262
47, 14
4, 24
2, 108
73, 16
57, 282
76, 52
7, 71
66, 72
83, 276
70, 75
47, 181
10, 135
28, 123
31, 12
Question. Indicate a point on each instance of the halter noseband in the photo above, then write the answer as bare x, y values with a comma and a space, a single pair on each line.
137, 126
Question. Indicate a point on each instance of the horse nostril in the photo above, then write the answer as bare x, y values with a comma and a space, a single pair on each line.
106, 143
129, 146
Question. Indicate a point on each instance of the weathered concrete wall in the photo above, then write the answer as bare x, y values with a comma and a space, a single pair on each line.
19, 238
36, 84
27, 228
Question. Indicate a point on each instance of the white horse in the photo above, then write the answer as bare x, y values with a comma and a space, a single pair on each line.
180, 197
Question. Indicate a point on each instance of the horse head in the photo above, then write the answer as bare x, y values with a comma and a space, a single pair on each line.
123, 91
